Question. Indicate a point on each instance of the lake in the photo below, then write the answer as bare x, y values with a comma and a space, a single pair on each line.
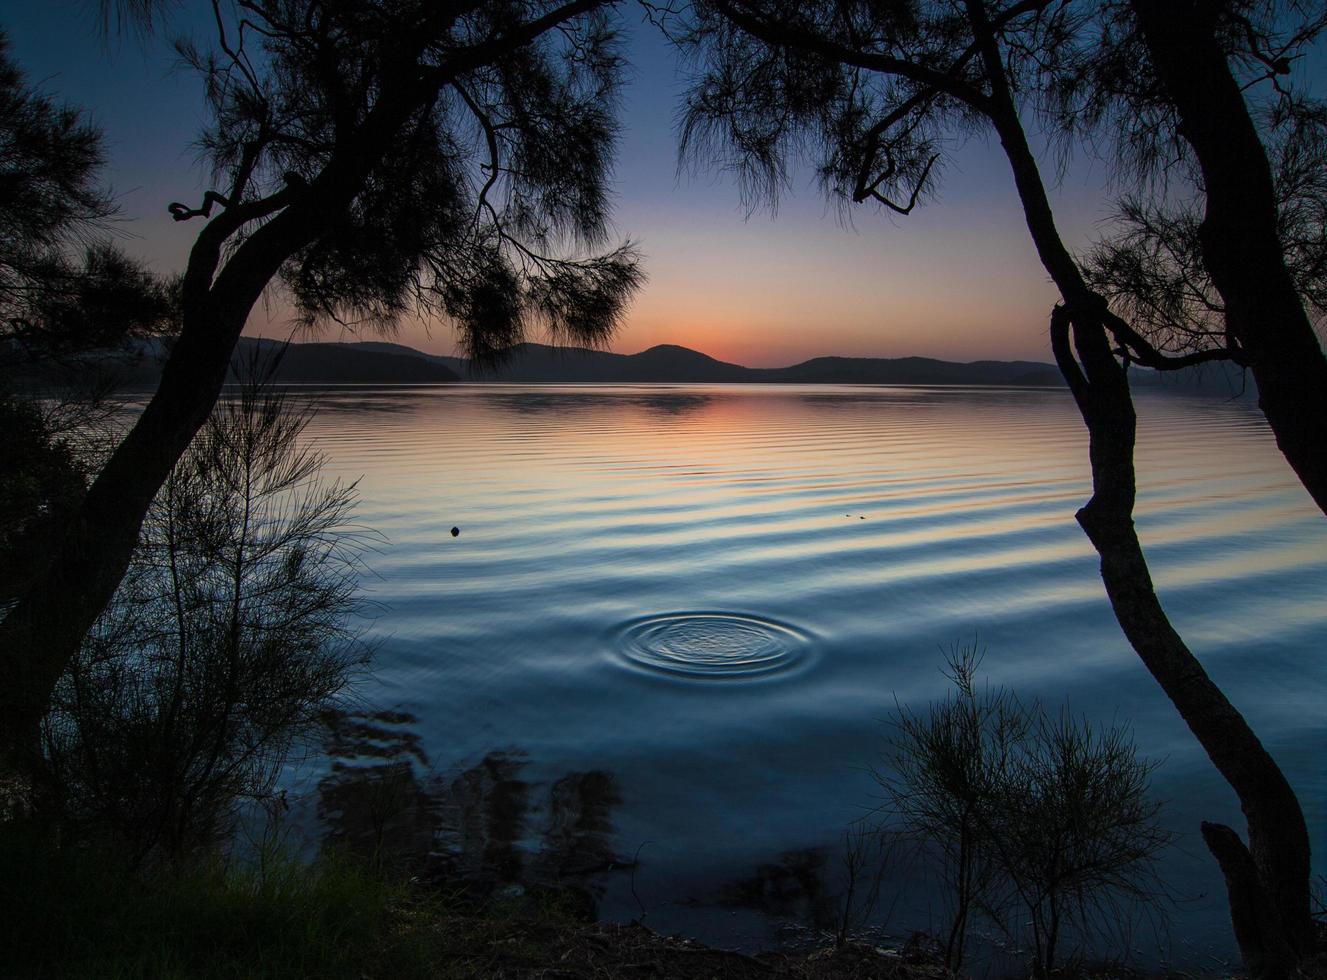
676, 619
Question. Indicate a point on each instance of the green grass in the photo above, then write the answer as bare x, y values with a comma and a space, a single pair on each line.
74, 913
77, 913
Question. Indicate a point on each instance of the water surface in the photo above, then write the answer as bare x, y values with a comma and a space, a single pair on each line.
718, 595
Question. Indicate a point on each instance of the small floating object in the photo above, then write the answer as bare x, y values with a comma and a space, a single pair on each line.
456, 532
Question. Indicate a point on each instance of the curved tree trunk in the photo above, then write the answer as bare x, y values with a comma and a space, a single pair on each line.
1258, 929
44, 630
1240, 244
1277, 831
42, 633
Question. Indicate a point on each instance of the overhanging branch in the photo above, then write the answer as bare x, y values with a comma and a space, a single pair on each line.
786, 36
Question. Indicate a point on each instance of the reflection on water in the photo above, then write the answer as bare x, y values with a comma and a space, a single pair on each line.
793, 888
578, 838
860, 529
542, 400
382, 801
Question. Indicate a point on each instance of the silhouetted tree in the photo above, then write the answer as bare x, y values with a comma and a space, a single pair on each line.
1036, 813
64, 290
1255, 232
1151, 266
372, 158
873, 88
1207, 90
230, 635
1206, 94
50, 195
63, 287
946, 776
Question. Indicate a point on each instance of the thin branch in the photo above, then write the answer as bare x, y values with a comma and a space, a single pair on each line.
783, 35
491, 136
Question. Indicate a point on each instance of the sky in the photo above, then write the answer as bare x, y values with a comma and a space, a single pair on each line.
958, 279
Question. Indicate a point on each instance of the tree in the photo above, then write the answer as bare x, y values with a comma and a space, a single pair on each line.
229, 637
873, 88
1190, 47
50, 158
65, 289
1253, 263
944, 783
374, 158
1151, 265
1026, 810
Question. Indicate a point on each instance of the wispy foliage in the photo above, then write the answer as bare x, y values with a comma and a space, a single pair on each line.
1151, 264
231, 633
764, 98
1042, 823
483, 199
63, 287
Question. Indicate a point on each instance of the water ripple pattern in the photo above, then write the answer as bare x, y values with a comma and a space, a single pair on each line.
712, 645
886, 523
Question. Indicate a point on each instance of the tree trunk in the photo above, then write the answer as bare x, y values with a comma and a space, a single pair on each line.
1258, 928
1278, 834
1240, 244
55, 616
44, 629
42, 633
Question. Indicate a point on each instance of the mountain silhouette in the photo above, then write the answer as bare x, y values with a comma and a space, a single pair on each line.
344, 364
315, 363
670, 363
382, 362
673, 364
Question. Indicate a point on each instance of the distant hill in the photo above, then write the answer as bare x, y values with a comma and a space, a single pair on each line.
539, 363
378, 362
668, 363
916, 371
345, 364
301, 364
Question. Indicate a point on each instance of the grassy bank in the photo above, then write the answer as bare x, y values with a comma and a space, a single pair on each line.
79, 914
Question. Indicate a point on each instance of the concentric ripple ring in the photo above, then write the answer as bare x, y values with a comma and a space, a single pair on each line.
712, 645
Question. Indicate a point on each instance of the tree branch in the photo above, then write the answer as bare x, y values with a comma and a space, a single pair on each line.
783, 35
491, 136
465, 59
1140, 350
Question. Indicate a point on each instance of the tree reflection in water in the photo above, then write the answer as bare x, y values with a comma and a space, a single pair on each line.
383, 801
794, 888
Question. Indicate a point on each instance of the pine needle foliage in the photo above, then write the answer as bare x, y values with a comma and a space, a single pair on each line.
1041, 824
234, 629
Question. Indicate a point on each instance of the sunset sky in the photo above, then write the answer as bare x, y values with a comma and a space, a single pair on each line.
958, 279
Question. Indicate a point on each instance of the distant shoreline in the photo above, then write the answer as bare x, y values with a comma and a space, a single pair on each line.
374, 363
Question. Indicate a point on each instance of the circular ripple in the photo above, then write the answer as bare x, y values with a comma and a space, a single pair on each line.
712, 645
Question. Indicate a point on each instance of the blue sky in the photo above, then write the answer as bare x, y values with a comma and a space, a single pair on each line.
957, 279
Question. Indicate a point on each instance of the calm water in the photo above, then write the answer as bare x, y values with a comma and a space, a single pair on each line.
716, 594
